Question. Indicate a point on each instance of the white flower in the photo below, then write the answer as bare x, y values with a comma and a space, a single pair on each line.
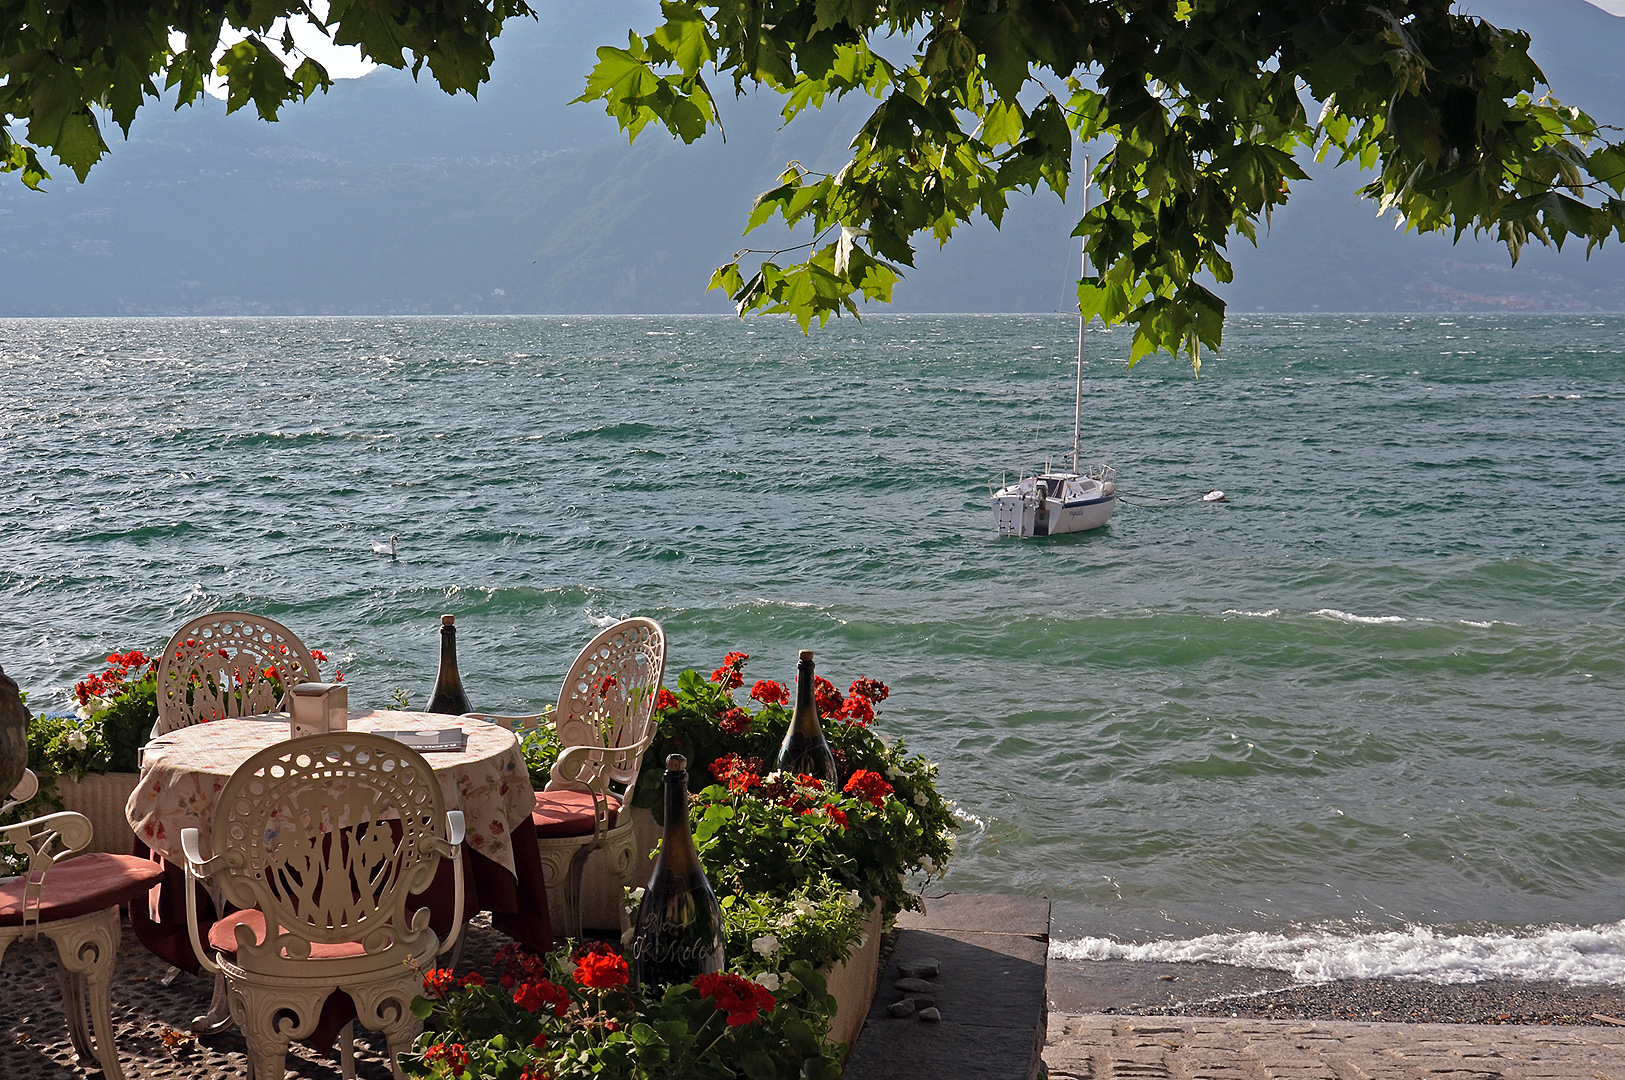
77, 740
82, 712
953, 841
628, 936
636, 894
767, 945
853, 900
767, 980
803, 906
773, 777
919, 798
927, 865
786, 920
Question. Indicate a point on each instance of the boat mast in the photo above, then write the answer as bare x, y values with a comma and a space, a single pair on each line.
1077, 398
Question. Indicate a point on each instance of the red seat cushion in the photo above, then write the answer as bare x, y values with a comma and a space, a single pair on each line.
223, 937
80, 885
567, 813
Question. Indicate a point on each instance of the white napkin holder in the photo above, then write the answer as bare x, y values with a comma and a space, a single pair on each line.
317, 708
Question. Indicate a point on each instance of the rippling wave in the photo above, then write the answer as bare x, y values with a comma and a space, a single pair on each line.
1379, 690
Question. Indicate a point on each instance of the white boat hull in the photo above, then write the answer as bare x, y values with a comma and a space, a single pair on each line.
1022, 509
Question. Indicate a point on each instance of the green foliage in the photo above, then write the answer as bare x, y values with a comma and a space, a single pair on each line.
1200, 102
754, 837
819, 924
61, 61
546, 1018
541, 748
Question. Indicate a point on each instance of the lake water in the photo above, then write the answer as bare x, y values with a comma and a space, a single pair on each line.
1364, 717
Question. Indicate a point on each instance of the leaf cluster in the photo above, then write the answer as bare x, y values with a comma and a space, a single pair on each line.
819, 924
915, 830
622, 1035
1199, 102
67, 66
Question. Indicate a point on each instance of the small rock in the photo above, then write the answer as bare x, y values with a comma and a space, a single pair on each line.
904, 1008
1166, 978
930, 1016
926, 967
917, 986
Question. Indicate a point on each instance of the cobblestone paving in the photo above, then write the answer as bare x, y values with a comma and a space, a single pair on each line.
1184, 1048
153, 1037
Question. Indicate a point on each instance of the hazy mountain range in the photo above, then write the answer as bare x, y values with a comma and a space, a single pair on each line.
387, 196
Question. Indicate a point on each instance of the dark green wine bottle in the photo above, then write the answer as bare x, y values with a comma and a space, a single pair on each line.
805, 750
679, 930
447, 695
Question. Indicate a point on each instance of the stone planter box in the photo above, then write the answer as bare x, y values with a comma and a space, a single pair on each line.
101, 797
851, 982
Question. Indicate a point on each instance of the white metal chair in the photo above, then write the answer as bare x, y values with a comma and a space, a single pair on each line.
605, 723
214, 668
75, 903
319, 841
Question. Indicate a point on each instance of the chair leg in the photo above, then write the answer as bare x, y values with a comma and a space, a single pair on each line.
271, 1018
218, 1018
388, 1009
86, 950
347, 1051
572, 891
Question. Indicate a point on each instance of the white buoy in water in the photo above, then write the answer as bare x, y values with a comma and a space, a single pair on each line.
1214, 496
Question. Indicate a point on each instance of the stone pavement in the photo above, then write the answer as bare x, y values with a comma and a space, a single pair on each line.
993, 954
1099, 1047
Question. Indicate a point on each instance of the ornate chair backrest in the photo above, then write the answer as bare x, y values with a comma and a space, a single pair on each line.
609, 695
328, 835
214, 668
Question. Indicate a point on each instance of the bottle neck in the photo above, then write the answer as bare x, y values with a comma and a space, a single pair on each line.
806, 715
448, 652
677, 847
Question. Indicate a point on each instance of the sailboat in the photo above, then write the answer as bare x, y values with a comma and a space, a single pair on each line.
1053, 502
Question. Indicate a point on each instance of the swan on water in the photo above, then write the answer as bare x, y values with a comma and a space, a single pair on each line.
381, 548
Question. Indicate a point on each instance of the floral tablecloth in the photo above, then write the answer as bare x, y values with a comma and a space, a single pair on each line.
183, 771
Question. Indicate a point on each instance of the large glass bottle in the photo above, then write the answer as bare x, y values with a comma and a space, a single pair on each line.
679, 929
805, 750
447, 695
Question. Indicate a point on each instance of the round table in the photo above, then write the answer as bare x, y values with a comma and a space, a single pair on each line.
182, 772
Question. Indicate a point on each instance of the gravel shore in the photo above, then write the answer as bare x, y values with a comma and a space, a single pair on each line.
1145, 989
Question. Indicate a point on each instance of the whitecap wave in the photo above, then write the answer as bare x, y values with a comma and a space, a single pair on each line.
1593, 955
1253, 614
1362, 620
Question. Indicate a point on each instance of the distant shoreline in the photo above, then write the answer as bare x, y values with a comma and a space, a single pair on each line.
1140, 988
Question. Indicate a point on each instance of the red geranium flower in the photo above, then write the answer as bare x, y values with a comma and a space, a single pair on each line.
741, 774
834, 813
769, 693
665, 699
453, 1054
865, 784
473, 978
735, 721
608, 683
437, 981
826, 697
538, 994
740, 998
872, 689
732, 672
858, 710
600, 967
